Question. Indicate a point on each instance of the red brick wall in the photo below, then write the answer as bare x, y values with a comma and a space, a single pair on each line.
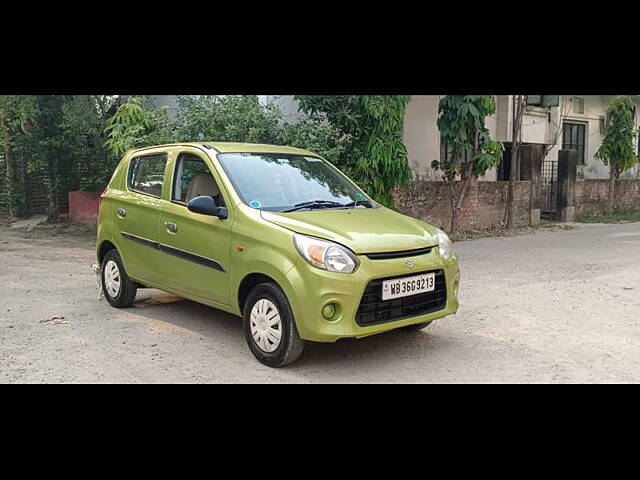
83, 207
592, 196
483, 208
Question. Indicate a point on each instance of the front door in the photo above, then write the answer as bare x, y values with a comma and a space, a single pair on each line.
195, 247
549, 190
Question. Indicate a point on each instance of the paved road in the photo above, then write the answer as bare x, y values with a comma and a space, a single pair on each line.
553, 306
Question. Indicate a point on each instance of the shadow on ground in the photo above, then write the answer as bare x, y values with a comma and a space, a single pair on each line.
216, 325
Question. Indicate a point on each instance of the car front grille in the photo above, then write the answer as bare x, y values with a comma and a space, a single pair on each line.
373, 310
402, 254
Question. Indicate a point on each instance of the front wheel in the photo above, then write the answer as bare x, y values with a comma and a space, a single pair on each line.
269, 327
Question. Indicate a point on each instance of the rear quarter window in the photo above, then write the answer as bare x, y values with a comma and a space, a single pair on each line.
146, 174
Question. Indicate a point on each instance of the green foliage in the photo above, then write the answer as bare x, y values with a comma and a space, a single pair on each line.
617, 216
64, 142
361, 134
131, 126
226, 118
67, 143
230, 118
76, 141
312, 134
461, 122
48, 150
84, 119
15, 112
617, 149
368, 129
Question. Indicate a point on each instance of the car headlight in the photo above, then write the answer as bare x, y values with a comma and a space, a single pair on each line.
444, 245
326, 255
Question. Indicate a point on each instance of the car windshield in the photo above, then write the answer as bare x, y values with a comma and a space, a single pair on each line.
282, 182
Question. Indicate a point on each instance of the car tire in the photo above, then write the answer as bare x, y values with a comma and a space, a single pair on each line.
269, 327
417, 327
119, 290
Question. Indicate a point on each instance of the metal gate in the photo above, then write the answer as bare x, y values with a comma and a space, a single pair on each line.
549, 200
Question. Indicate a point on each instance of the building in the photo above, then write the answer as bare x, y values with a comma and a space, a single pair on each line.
577, 122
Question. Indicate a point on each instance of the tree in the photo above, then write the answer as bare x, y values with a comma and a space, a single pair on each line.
16, 111
311, 133
48, 150
461, 121
516, 141
370, 129
58, 137
617, 149
230, 118
131, 126
84, 119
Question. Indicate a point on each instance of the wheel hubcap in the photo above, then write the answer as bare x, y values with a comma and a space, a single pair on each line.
266, 325
112, 278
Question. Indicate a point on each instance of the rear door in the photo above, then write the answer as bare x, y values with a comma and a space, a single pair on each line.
196, 247
137, 216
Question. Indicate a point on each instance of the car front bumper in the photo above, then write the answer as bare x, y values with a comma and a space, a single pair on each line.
313, 289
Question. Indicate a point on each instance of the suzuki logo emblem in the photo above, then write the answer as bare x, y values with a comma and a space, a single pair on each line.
409, 263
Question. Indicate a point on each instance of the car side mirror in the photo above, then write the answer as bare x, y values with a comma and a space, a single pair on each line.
207, 206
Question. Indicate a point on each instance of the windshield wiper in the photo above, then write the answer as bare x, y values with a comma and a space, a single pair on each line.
314, 204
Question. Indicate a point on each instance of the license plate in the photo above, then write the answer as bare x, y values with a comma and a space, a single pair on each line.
406, 286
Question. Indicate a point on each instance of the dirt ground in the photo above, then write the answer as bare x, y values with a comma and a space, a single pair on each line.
547, 306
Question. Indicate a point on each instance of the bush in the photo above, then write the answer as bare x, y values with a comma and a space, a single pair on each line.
215, 118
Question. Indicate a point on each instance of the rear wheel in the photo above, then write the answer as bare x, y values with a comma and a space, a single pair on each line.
269, 327
417, 327
119, 290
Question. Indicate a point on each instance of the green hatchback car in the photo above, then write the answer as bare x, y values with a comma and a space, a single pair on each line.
273, 234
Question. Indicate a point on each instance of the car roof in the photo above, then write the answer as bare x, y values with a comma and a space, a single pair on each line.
233, 147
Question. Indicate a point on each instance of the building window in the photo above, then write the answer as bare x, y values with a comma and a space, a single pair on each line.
578, 105
573, 137
542, 100
446, 151
533, 100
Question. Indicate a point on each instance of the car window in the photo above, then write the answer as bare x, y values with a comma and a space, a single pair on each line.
146, 174
278, 182
193, 178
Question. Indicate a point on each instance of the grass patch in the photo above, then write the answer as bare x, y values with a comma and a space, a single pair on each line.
498, 231
614, 217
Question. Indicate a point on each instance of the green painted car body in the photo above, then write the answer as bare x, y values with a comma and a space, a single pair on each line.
216, 261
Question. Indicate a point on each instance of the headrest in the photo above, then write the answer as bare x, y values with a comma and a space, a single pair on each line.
202, 184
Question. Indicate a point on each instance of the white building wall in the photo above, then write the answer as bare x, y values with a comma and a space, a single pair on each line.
421, 135
595, 107
539, 126
287, 103
537, 122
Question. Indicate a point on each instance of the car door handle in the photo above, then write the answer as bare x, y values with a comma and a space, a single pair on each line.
121, 212
172, 227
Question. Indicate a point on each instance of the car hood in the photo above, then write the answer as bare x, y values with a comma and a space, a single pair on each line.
363, 230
